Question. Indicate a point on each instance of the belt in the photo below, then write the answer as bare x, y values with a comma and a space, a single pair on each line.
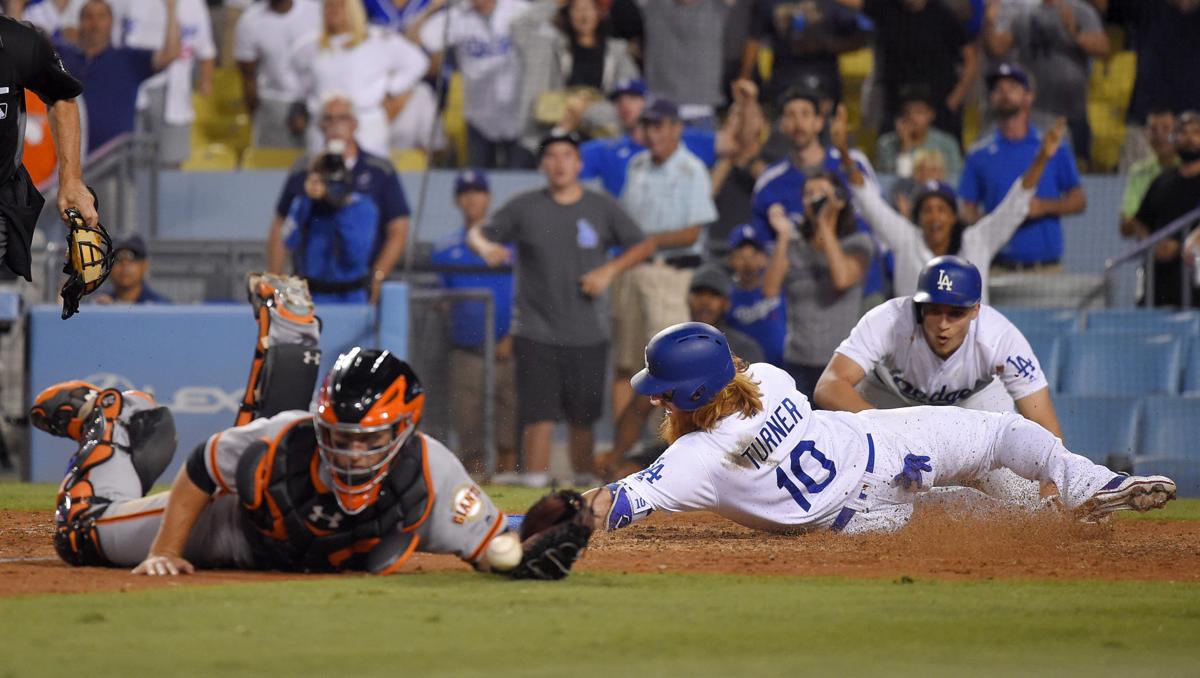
844, 516
334, 287
683, 261
1010, 265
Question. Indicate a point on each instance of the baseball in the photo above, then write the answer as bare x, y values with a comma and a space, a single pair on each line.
504, 552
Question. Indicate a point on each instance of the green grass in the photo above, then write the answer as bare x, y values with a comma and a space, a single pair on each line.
610, 624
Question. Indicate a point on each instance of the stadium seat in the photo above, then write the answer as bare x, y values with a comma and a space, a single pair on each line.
211, 158
410, 160
1099, 427
1142, 321
453, 122
1047, 346
1055, 321
1170, 427
262, 157
1191, 375
1122, 364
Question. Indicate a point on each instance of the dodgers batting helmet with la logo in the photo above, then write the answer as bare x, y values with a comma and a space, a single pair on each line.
949, 280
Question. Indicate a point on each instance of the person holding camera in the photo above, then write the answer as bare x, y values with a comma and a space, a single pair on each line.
821, 273
370, 175
330, 232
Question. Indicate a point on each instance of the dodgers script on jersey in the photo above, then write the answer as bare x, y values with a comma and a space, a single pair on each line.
889, 345
781, 469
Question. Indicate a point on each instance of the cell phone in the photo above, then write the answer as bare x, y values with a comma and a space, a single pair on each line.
818, 204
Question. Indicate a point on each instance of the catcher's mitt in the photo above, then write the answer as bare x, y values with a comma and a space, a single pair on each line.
89, 261
554, 534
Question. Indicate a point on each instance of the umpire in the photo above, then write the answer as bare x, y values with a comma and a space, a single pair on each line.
27, 61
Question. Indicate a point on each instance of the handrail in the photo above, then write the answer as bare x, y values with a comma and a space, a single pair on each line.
1154, 238
1143, 249
119, 155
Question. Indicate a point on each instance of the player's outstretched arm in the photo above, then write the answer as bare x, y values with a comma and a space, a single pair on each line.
599, 500
184, 506
1039, 408
835, 389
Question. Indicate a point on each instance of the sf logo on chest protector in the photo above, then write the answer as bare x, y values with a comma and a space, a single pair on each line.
944, 282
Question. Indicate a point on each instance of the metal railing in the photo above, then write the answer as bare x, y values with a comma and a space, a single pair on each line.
1144, 251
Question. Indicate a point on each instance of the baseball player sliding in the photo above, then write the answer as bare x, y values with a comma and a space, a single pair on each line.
350, 485
941, 346
746, 445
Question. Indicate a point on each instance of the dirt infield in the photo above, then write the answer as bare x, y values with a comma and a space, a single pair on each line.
935, 546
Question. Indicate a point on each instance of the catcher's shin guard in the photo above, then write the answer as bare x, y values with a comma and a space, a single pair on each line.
78, 507
283, 373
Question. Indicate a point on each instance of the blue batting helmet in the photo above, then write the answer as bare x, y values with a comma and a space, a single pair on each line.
688, 363
949, 280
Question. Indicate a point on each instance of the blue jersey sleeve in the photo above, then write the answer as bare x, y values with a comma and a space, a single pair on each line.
293, 187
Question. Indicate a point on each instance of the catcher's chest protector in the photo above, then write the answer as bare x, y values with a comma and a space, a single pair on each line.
297, 523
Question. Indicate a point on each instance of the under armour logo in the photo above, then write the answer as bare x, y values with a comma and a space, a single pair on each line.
312, 357
944, 281
318, 513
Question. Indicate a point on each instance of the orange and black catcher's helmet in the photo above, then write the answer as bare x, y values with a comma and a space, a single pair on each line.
368, 407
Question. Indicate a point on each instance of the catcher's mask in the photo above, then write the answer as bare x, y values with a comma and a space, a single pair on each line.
369, 406
89, 260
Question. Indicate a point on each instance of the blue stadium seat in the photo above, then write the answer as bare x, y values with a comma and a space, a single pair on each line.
1185, 471
1141, 320
1122, 364
1047, 346
1191, 376
1098, 427
1170, 428
1053, 320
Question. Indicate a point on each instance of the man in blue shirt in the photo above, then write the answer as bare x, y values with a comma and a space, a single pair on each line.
473, 198
608, 159
751, 310
111, 75
127, 282
998, 158
370, 175
801, 122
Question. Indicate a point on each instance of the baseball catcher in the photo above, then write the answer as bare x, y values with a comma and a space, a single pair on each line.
351, 484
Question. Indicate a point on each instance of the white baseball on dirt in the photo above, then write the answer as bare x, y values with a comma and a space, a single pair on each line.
504, 552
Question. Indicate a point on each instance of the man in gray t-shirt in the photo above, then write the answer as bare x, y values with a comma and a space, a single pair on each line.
1054, 40
561, 235
683, 54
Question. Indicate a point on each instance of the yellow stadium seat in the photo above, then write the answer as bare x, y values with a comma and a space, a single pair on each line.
453, 122
766, 61
856, 65
262, 157
211, 158
410, 160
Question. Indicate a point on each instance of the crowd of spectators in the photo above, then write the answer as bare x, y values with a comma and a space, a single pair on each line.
719, 190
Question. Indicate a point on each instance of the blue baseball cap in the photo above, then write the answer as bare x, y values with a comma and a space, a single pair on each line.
659, 110
633, 86
935, 189
746, 233
1010, 71
470, 180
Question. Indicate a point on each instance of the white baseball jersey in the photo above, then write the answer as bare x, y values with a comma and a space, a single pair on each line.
789, 468
889, 345
144, 25
490, 68
266, 37
784, 468
980, 242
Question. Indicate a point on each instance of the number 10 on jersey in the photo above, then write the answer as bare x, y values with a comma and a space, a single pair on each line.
800, 478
